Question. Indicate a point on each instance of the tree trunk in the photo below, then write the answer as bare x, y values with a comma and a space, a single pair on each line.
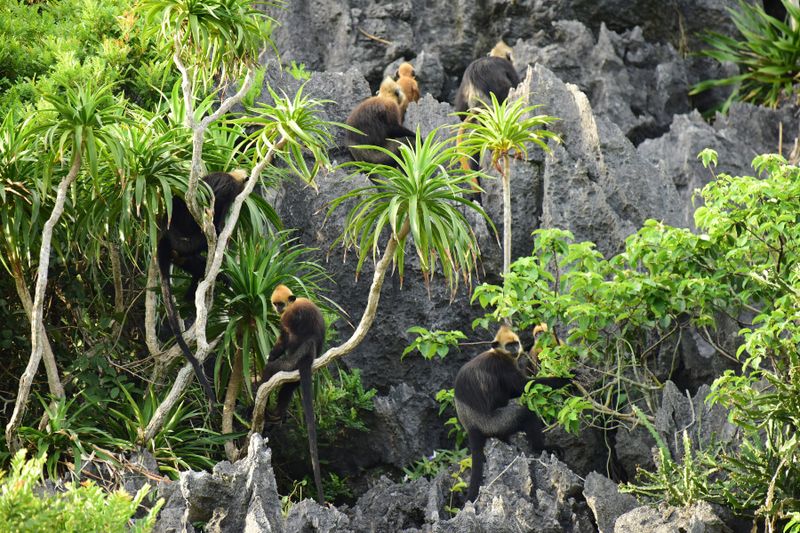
38, 340
506, 216
229, 405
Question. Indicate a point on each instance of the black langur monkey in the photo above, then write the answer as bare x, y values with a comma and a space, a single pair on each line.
299, 343
492, 74
379, 122
485, 390
183, 243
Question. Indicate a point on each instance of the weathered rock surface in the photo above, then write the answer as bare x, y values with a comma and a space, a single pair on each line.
234, 497
606, 502
677, 413
538, 494
338, 34
699, 518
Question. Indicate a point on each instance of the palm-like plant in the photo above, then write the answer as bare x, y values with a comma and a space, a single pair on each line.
505, 130
223, 34
421, 197
74, 128
767, 53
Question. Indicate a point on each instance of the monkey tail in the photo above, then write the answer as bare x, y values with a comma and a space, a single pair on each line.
306, 397
164, 262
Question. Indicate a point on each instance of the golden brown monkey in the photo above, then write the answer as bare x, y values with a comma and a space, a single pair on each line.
299, 343
380, 123
533, 364
407, 80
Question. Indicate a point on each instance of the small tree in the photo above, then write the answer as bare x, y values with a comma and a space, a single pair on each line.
505, 129
219, 41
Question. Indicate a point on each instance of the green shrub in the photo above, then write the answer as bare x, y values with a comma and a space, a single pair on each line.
81, 508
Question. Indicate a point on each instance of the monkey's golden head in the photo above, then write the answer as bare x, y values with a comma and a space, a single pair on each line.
507, 342
282, 298
389, 89
406, 70
501, 49
239, 174
539, 329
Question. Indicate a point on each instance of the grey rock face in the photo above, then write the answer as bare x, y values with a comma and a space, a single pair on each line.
595, 184
339, 34
745, 132
605, 501
523, 493
399, 417
636, 85
234, 497
699, 518
677, 412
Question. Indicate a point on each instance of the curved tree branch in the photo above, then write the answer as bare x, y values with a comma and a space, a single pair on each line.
38, 339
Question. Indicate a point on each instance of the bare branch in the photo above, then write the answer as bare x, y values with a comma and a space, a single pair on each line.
37, 312
150, 301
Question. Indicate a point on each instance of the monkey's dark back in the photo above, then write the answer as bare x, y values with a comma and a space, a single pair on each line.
489, 381
304, 320
487, 75
376, 117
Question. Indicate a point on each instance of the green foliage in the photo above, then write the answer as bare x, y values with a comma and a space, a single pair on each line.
66, 440
679, 483
80, 508
440, 460
219, 34
446, 399
51, 45
458, 461
77, 123
424, 194
708, 157
767, 53
20, 194
339, 404
295, 120
432, 343
505, 128
298, 71
555, 405
183, 442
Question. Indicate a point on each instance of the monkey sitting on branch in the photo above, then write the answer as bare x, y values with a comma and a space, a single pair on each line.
302, 333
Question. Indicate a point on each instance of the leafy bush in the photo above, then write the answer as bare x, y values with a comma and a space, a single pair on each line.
622, 319
767, 53
80, 508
